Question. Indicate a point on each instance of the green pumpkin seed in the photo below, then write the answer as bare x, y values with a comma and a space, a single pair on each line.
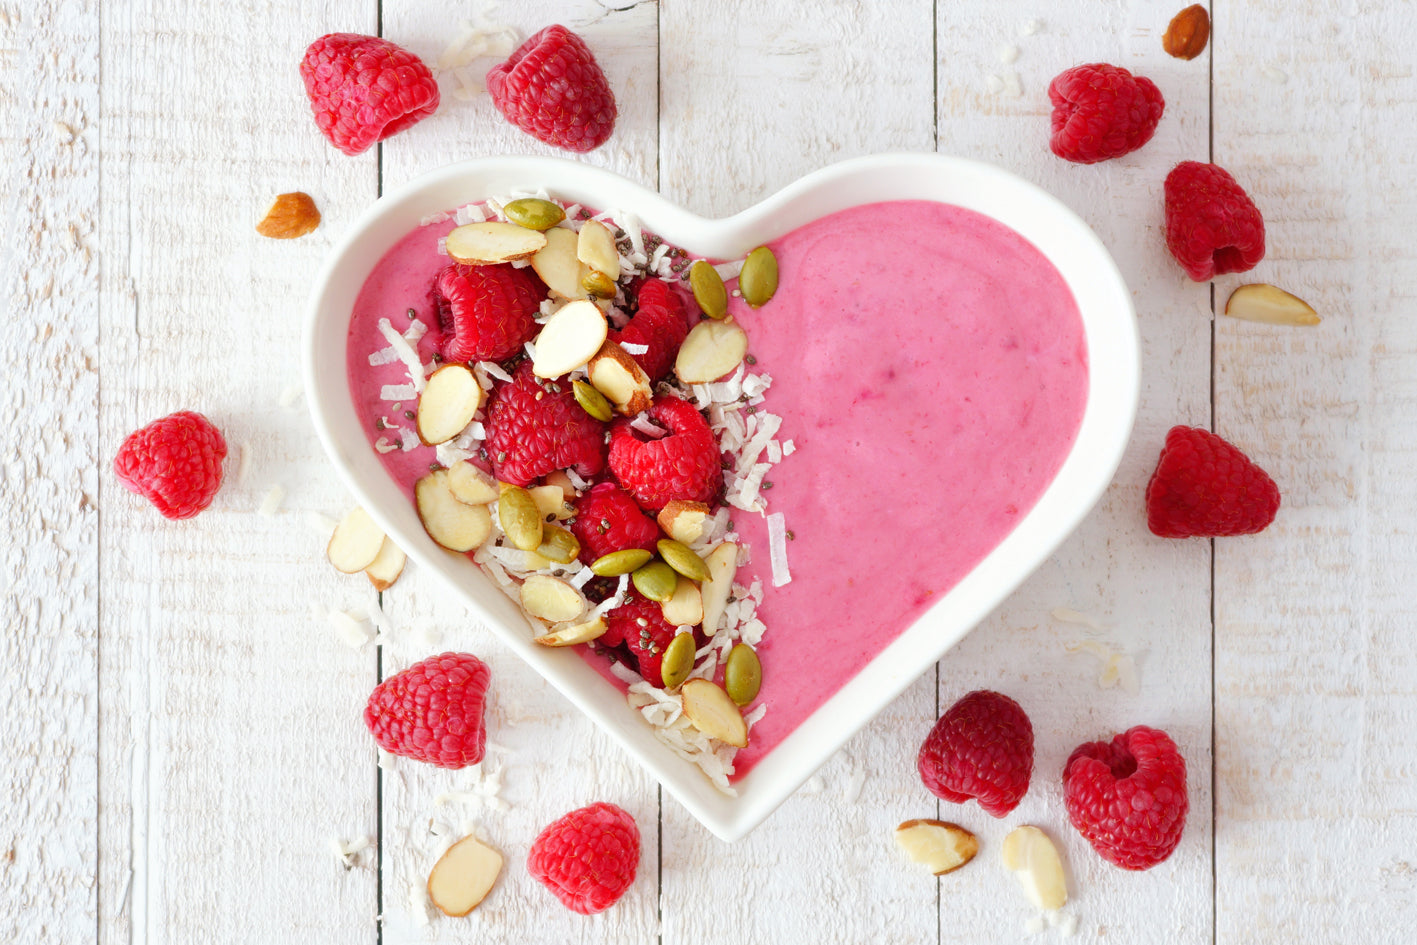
742, 674
678, 660
758, 280
708, 289
598, 285
592, 401
534, 213
620, 562
558, 545
519, 517
682, 558
655, 580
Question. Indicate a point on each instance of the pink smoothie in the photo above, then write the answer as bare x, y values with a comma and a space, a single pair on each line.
930, 368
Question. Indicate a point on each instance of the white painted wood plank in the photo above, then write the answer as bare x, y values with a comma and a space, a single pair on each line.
232, 746
49, 577
1315, 657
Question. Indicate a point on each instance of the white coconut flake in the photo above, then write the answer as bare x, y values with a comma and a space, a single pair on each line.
614, 600
397, 392
1034, 925
386, 760
270, 505
777, 549
727, 271
788, 447
321, 523
449, 454
410, 439
351, 631
442, 246
1013, 86
243, 468
581, 578
383, 445
405, 352
383, 356
1008, 54
577, 482
632, 348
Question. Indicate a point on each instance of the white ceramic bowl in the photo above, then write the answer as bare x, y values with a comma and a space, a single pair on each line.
1113, 358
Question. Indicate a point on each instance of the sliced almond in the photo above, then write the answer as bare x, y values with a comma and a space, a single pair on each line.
941, 846
551, 599
463, 876
290, 216
709, 710
710, 350
596, 248
471, 484
723, 565
355, 542
559, 478
485, 244
575, 633
623, 382
450, 522
685, 606
569, 339
448, 403
1259, 302
557, 265
551, 502
683, 520
385, 569
1034, 860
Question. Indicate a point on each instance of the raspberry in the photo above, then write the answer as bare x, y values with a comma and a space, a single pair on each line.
1212, 225
639, 623
486, 312
1128, 798
587, 858
364, 89
535, 427
608, 519
659, 324
1204, 486
552, 89
981, 748
683, 464
174, 463
432, 711
1102, 112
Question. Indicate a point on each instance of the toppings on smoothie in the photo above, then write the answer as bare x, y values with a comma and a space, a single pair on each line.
940, 846
553, 89
569, 339
1205, 487
710, 351
551, 599
608, 520
713, 712
682, 464
432, 711
587, 858
1212, 225
1128, 797
290, 216
486, 312
723, 567
1033, 859
758, 280
1187, 33
684, 521
685, 607
678, 661
449, 402
493, 242
708, 288
980, 748
450, 522
533, 213
742, 674
470, 485
1258, 302
535, 427
683, 559
615, 374
595, 246
519, 517
175, 463
463, 876
592, 401
558, 267
387, 566
659, 326
575, 633
355, 543
1101, 112
363, 89
639, 624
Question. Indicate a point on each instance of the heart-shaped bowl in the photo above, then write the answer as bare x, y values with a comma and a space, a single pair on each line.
1109, 328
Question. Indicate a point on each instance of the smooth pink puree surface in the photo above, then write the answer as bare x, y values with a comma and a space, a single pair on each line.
930, 368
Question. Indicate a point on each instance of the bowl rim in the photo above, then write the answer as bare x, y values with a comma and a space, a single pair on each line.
1113, 346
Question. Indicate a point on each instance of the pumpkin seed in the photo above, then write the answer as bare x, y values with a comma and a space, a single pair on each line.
534, 213
620, 562
519, 517
678, 660
558, 545
682, 558
597, 284
742, 674
758, 280
592, 401
655, 580
708, 289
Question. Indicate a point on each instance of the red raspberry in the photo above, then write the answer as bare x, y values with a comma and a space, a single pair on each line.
1212, 225
486, 312
174, 463
587, 858
552, 89
608, 519
639, 623
1128, 799
683, 464
364, 89
1102, 112
659, 324
981, 748
1204, 486
535, 427
432, 711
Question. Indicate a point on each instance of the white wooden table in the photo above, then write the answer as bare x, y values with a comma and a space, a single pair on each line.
183, 729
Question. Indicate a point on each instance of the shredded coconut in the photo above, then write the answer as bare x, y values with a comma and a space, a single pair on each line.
350, 628
398, 392
270, 505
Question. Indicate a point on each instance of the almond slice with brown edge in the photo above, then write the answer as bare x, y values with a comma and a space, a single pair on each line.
485, 244
941, 846
685, 606
551, 599
463, 876
709, 710
569, 339
1034, 861
723, 565
710, 350
448, 404
684, 520
1259, 302
620, 378
450, 522
574, 633
551, 502
557, 265
472, 485
596, 248
355, 542
385, 569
